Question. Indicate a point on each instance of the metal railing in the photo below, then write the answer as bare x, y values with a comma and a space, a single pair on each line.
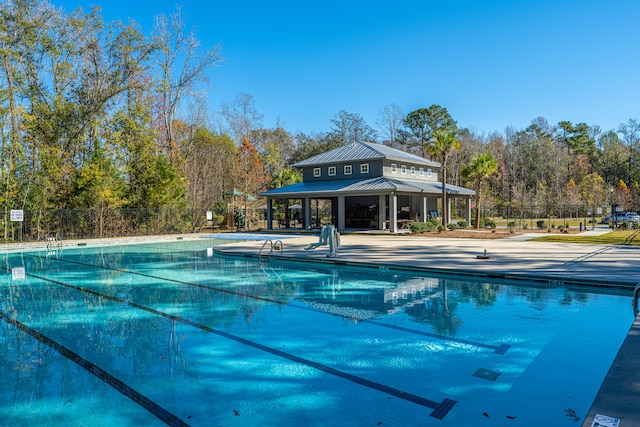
97, 223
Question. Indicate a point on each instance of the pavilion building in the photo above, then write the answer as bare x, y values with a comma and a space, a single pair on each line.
364, 185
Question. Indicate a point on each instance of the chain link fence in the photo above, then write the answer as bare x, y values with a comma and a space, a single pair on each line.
94, 223
536, 216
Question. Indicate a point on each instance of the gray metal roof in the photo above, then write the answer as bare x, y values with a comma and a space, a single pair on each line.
360, 151
370, 185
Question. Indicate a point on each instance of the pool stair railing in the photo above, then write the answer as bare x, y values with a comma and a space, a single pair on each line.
274, 246
54, 241
634, 302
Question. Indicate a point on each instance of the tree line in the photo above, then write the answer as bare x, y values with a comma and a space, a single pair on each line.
98, 115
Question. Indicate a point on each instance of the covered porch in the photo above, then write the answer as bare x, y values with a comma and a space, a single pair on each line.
391, 210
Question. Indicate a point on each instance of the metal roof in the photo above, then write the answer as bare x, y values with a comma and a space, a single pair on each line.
360, 151
369, 185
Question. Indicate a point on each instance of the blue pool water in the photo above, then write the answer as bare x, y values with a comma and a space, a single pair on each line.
171, 334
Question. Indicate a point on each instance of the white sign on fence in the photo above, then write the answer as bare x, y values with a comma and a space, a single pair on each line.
17, 215
209, 215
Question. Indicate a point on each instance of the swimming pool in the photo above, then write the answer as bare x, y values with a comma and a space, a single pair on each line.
171, 334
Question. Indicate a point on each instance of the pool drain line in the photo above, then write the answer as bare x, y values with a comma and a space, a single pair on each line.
148, 404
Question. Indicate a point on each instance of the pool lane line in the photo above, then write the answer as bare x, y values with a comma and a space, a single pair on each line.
440, 409
158, 411
497, 349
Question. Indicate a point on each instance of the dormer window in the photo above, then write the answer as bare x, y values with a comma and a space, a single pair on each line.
403, 170
332, 170
347, 169
413, 170
317, 172
364, 168
421, 171
394, 168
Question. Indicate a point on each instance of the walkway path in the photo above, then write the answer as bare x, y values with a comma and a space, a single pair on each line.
511, 257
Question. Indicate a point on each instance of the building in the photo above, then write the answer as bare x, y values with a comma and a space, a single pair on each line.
364, 186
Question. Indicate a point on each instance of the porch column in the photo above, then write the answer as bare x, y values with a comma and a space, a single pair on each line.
306, 210
269, 214
382, 214
423, 212
448, 210
393, 214
341, 213
468, 210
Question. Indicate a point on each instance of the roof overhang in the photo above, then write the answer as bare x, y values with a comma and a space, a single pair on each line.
354, 187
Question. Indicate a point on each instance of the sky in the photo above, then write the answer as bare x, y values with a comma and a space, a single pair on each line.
491, 64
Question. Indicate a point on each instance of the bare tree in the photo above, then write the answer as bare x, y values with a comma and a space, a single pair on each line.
242, 117
182, 67
390, 122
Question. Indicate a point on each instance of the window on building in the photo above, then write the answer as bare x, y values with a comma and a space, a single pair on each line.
421, 171
394, 168
332, 170
413, 170
347, 169
403, 170
429, 173
316, 172
364, 168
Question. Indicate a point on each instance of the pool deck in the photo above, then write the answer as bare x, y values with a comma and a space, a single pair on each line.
615, 267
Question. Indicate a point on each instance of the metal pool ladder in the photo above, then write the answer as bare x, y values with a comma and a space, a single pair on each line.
273, 246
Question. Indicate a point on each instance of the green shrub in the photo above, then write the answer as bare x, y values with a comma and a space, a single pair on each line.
541, 224
490, 223
421, 227
452, 226
463, 224
440, 228
623, 225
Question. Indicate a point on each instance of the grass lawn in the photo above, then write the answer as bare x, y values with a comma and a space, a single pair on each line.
618, 237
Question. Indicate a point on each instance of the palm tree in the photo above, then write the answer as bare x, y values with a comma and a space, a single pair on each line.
442, 145
482, 166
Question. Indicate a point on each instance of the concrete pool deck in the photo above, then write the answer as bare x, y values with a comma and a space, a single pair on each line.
615, 267
511, 258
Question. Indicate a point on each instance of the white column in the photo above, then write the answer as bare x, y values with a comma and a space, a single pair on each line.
393, 213
469, 210
382, 214
341, 213
424, 216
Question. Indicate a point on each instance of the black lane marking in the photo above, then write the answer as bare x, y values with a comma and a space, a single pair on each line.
438, 407
501, 349
148, 404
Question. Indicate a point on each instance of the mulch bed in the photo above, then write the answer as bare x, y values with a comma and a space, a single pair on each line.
489, 234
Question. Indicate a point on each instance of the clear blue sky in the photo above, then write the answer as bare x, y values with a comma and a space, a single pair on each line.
492, 63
